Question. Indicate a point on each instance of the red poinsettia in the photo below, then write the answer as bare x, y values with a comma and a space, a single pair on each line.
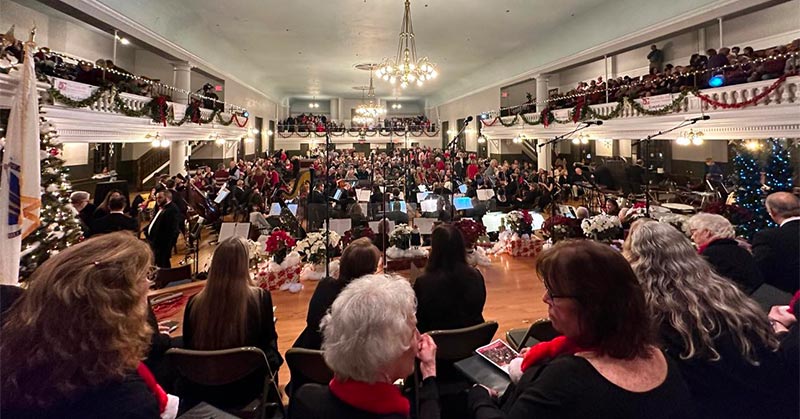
527, 218
470, 230
279, 240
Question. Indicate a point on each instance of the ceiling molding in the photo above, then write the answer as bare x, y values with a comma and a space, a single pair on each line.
684, 21
123, 23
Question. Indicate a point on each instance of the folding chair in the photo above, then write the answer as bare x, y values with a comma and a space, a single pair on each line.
539, 331
228, 366
307, 366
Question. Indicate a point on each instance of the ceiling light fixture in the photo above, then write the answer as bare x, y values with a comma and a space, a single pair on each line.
371, 110
405, 68
313, 104
690, 137
481, 140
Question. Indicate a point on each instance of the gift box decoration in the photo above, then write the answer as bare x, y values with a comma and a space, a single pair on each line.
274, 280
524, 247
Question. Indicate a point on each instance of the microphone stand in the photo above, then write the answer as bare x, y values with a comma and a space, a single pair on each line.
327, 204
564, 136
452, 147
645, 161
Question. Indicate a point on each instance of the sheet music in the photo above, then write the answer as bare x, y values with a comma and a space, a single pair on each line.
492, 221
425, 225
341, 225
485, 194
429, 205
363, 195
221, 195
374, 226
229, 230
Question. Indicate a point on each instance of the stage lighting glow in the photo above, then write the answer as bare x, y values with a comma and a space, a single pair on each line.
717, 80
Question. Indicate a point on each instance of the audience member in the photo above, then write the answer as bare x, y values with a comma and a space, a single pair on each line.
231, 312
718, 336
716, 241
370, 340
450, 294
359, 258
116, 220
72, 345
777, 250
609, 365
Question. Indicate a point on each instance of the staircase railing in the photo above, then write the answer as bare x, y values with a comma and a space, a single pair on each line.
151, 161
529, 149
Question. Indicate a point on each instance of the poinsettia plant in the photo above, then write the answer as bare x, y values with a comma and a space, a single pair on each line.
471, 231
519, 222
602, 227
279, 243
314, 249
400, 237
357, 233
559, 228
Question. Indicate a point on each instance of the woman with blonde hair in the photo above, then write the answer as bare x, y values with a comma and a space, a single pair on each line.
231, 312
74, 340
721, 338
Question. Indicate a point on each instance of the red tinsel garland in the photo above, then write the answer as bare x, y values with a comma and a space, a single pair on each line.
240, 124
753, 101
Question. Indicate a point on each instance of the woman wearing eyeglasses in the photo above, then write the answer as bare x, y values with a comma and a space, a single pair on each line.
607, 364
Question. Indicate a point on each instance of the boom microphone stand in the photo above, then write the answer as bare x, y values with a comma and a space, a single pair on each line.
645, 161
452, 147
327, 204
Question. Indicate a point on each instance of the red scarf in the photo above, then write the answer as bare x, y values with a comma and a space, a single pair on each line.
152, 384
378, 398
548, 350
793, 302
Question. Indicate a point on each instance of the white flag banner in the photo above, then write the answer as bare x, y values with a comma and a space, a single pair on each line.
20, 183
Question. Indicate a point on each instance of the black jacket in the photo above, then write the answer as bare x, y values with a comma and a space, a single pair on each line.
735, 263
165, 229
777, 253
315, 401
327, 291
114, 222
450, 299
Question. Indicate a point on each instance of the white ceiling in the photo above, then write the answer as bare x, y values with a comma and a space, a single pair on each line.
291, 48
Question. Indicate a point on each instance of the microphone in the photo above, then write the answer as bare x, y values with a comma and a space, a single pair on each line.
699, 118
598, 122
468, 120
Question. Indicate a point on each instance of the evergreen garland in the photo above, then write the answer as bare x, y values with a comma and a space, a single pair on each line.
779, 168
59, 226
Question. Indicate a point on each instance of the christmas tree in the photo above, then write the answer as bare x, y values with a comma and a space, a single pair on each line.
749, 194
59, 227
779, 168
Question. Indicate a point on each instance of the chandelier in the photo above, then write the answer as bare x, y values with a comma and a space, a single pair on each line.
690, 137
405, 67
368, 112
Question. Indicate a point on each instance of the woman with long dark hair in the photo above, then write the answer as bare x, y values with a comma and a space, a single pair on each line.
450, 294
231, 312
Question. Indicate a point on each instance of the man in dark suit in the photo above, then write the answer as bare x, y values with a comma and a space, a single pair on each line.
116, 220
162, 232
777, 250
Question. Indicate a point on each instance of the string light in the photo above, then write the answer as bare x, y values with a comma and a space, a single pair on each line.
493, 113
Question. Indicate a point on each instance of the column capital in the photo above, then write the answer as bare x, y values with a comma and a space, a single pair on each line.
181, 66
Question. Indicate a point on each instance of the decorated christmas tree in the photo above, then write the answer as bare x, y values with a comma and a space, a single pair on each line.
59, 227
749, 194
778, 170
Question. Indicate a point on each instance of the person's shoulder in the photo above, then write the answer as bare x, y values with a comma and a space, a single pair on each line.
128, 398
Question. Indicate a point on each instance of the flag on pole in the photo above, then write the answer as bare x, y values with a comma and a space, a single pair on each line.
20, 183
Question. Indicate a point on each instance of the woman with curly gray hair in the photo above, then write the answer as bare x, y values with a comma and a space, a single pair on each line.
370, 340
716, 241
720, 337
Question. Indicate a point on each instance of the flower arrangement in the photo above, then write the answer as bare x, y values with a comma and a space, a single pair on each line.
736, 214
559, 228
278, 244
519, 222
400, 237
313, 247
357, 233
471, 231
602, 227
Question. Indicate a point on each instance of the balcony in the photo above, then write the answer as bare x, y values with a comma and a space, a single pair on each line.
103, 120
774, 115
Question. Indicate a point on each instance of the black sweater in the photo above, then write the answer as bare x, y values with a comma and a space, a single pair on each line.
450, 299
570, 387
327, 291
735, 263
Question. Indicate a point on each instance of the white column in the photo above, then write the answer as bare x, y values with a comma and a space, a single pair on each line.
545, 153
335, 109
721, 44
701, 41
177, 149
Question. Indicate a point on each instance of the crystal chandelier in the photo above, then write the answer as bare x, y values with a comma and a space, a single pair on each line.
405, 68
369, 111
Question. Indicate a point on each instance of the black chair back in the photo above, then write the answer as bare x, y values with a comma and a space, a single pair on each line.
457, 344
307, 366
